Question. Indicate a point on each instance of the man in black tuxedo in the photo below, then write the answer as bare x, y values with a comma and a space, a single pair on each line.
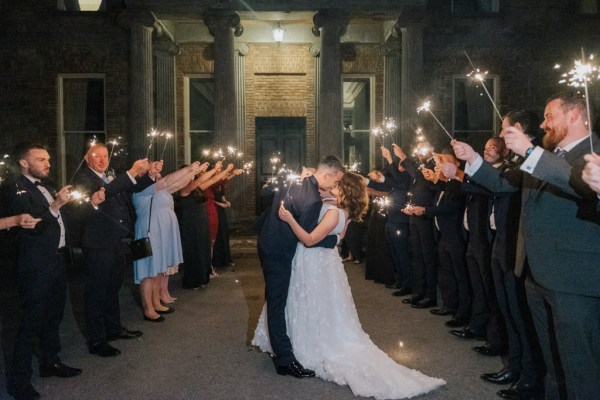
276, 249
396, 224
104, 239
421, 233
41, 271
558, 247
447, 213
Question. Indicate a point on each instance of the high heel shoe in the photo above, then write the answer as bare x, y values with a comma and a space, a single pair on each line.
173, 300
167, 311
159, 319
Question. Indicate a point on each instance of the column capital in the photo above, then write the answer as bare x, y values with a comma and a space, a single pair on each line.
314, 50
223, 19
241, 48
164, 44
136, 17
334, 20
409, 19
390, 48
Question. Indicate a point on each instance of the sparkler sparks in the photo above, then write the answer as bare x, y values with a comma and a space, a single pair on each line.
581, 75
167, 136
479, 77
426, 106
153, 133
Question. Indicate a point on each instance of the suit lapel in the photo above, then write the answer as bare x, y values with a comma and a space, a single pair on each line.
36, 195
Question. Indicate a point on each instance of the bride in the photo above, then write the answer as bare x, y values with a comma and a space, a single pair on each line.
321, 317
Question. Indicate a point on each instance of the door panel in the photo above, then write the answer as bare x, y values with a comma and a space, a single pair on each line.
284, 137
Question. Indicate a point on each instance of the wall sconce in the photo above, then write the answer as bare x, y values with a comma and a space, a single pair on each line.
278, 31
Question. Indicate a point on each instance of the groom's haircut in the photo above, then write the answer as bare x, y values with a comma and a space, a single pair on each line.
332, 163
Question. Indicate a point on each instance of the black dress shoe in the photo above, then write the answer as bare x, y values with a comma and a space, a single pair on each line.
124, 334
487, 350
296, 370
520, 390
467, 333
412, 300
159, 319
23, 392
104, 349
456, 322
395, 285
441, 311
58, 369
402, 292
425, 303
501, 377
167, 311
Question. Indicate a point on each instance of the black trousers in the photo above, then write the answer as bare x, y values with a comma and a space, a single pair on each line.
398, 238
277, 275
43, 294
425, 258
486, 316
104, 278
568, 328
522, 343
453, 280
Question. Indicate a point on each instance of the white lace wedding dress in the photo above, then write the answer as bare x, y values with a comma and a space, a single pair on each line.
327, 336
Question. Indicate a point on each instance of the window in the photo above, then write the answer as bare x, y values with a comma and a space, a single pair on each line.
81, 119
200, 118
81, 5
474, 117
358, 119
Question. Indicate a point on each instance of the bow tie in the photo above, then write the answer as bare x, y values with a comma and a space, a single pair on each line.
38, 183
560, 152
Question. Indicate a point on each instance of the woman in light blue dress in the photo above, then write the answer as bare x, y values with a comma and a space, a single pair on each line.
154, 206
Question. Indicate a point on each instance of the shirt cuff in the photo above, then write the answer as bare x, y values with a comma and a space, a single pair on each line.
471, 169
131, 177
532, 159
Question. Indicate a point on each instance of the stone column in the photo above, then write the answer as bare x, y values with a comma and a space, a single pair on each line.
166, 50
221, 24
237, 190
315, 51
331, 26
390, 51
141, 112
411, 30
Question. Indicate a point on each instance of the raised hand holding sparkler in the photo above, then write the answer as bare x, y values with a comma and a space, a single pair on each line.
591, 171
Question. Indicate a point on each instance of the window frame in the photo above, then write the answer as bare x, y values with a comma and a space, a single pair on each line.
187, 136
61, 121
372, 115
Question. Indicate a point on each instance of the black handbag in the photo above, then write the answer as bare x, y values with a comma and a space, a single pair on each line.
142, 248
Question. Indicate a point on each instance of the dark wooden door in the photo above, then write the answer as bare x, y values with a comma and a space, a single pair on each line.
284, 137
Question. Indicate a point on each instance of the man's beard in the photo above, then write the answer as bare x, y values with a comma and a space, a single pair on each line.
554, 137
38, 174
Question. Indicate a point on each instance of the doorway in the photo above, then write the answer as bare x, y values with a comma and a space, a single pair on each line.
282, 137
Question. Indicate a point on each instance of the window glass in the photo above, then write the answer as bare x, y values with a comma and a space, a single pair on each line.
201, 115
357, 122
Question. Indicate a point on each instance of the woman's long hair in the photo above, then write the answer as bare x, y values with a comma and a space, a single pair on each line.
353, 196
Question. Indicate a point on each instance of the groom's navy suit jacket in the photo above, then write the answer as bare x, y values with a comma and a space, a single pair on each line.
276, 240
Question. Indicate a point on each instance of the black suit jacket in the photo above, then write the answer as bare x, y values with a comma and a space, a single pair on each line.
478, 206
276, 240
39, 245
560, 248
115, 217
421, 188
448, 211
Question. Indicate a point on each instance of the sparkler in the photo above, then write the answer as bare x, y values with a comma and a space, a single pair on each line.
114, 143
383, 203
79, 197
579, 76
247, 167
4, 167
153, 133
167, 136
93, 142
354, 167
426, 106
409, 203
378, 132
479, 76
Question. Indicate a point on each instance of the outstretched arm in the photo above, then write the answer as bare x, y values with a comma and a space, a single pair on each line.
329, 221
178, 179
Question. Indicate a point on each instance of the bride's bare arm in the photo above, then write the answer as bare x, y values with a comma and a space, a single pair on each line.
329, 221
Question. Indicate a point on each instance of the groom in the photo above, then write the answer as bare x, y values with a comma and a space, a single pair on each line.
276, 249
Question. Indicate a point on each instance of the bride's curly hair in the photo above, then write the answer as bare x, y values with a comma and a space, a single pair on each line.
353, 196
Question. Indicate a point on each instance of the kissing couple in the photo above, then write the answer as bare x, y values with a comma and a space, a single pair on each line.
309, 323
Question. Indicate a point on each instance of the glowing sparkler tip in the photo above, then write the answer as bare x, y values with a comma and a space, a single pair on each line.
426, 106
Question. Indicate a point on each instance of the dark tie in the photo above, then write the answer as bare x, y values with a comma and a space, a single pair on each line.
38, 183
560, 152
